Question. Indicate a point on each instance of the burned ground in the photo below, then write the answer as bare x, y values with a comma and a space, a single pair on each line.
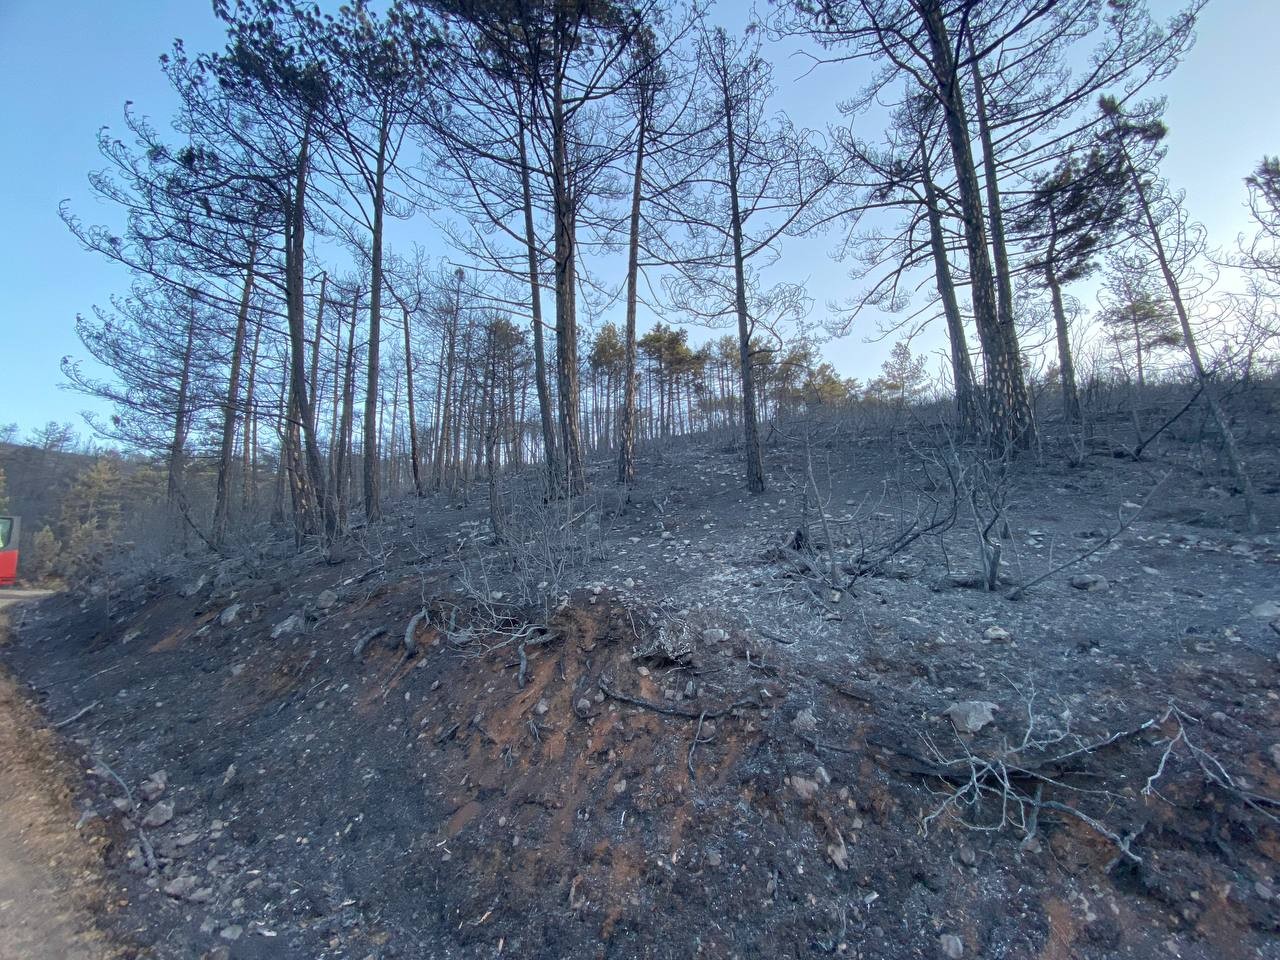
713, 752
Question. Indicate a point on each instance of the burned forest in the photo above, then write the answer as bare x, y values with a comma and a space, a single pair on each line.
582, 479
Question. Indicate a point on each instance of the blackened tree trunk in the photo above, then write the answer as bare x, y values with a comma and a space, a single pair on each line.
309, 479
285, 454
1137, 341
565, 255
415, 460
342, 453
449, 348
492, 418
314, 382
372, 493
1008, 405
627, 432
230, 411
751, 430
249, 469
968, 417
181, 417
995, 210
1066, 365
463, 414
1235, 461
550, 447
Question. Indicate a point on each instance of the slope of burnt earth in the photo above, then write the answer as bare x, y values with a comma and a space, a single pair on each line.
700, 750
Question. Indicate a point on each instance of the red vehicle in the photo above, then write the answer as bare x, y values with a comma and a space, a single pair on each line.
10, 527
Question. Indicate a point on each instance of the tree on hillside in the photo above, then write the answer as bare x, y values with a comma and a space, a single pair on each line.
755, 176
1160, 227
607, 365
1073, 213
564, 63
478, 131
177, 235
903, 379
90, 520
647, 84
1138, 321
1261, 252
664, 83
256, 117
162, 387
379, 66
1011, 81
925, 43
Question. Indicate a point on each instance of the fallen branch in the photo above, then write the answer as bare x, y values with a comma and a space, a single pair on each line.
1210, 767
1136, 452
1122, 842
358, 650
774, 637
852, 694
1016, 787
572, 520
410, 639
823, 745
674, 711
410, 644
995, 779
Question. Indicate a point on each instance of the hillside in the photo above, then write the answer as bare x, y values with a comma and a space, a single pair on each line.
693, 745
36, 480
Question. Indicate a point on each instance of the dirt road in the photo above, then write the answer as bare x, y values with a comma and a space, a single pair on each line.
10, 596
48, 870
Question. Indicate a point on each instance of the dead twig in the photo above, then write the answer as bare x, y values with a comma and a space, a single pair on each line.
1210, 766
524, 660
1136, 452
74, 717
1123, 524
144, 842
1017, 787
697, 738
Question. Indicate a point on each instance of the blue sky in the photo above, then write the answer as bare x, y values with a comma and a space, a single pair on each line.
67, 68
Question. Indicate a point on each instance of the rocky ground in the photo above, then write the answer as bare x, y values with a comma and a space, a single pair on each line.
690, 738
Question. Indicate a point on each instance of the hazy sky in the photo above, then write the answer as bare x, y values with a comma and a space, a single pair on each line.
67, 68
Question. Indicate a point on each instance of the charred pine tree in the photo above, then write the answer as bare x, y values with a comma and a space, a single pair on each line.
750, 176
568, 60
380, 68
231, 413
1136, 137
255, 116
1072, 216
1008, 403
643, 95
